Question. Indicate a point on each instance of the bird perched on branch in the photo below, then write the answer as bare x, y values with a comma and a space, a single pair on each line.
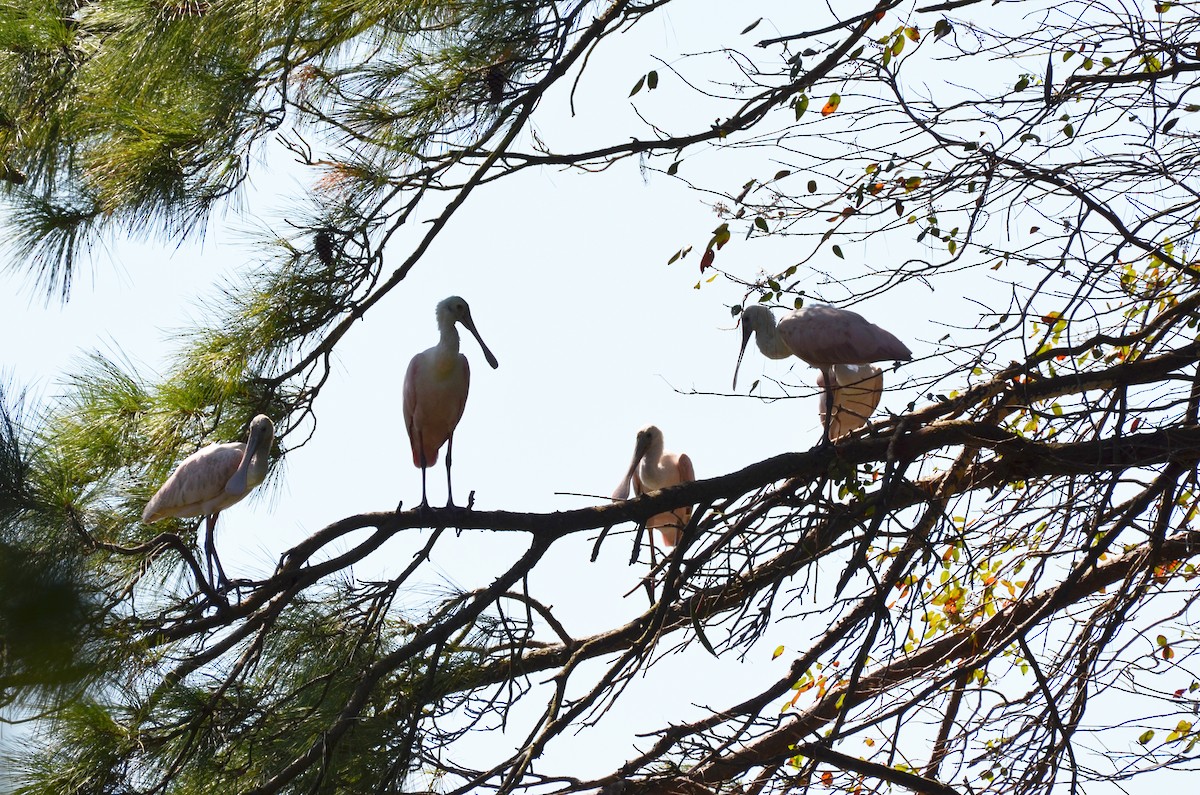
212, 479
824, 337
435, 391
652, 469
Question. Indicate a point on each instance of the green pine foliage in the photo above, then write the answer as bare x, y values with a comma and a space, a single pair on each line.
141, 118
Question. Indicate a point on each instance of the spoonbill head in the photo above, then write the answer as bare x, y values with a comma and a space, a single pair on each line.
651, 469
435, 390
758, 321
856, 393
212, 479
823, 336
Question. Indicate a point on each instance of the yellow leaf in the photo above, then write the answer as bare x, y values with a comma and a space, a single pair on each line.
720, 236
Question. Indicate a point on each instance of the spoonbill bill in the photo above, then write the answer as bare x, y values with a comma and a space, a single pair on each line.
823, 336
435, 391
653, 468
212, 479
856, 393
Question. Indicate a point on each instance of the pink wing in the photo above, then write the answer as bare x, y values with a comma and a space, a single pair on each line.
410, 407
671, 523
197, 486
433, 405
821, 334
686, 473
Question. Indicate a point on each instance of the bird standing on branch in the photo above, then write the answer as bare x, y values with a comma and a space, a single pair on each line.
653, 468
824, 337
212, 479
435, 391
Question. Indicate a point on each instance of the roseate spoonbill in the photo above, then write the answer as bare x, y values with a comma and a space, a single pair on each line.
856, 394
435, 391
211, 479
653, 468
823, 336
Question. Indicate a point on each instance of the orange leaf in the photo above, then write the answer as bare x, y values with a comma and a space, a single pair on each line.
827, 778
831, 105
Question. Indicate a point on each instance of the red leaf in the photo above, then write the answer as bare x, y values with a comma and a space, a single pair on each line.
707, 260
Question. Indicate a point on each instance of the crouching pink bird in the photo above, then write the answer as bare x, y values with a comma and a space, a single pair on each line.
212, 479
652, 469
824, 337
435, 391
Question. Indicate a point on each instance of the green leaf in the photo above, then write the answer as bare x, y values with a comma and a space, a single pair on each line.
801, 106
702, 638
1146, 736
652, 80
638, 85
673, 169
1022, 84
812, 186
751, 26
761, 223
837, 252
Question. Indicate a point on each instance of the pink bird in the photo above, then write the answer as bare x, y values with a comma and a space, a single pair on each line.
212, 479
824, 336
856, 394
653, 469
435, 391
